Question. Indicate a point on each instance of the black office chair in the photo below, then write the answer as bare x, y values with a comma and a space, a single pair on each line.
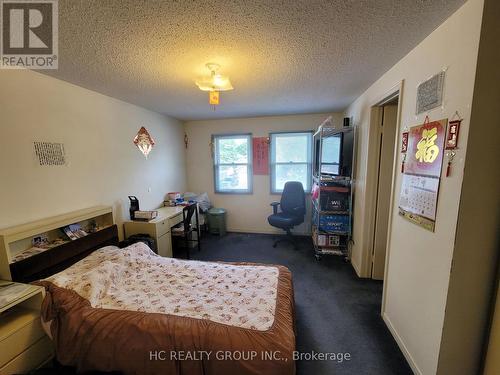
293, 209
182, 233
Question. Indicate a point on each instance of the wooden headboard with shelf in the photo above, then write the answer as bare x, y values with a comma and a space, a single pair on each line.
15, 240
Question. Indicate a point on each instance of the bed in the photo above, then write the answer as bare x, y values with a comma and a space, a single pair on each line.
132, 311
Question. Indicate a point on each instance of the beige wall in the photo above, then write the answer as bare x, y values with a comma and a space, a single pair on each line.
97, 131
477, 243
492, 364
419, 262
245, 212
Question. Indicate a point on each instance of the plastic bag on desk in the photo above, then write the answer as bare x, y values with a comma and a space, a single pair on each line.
189, 196
203, 202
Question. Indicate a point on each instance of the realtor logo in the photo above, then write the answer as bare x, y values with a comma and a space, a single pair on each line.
29, 34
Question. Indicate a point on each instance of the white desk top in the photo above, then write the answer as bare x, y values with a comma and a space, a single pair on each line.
167, 213
164, 213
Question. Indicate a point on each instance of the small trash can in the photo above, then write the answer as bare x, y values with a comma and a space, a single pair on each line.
217, 221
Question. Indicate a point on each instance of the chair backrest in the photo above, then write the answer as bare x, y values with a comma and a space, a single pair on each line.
187, 214
293, 199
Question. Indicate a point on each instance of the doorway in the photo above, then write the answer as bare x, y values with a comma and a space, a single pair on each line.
387, 137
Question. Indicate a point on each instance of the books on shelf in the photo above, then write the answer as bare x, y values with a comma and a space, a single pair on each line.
74, 231
41, 243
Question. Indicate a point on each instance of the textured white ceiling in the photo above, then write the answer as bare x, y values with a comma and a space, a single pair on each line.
283, 57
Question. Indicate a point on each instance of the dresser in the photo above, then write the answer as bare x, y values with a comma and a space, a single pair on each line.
24, 345
158, 228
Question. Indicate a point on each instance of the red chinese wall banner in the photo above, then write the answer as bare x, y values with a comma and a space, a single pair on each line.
260, 156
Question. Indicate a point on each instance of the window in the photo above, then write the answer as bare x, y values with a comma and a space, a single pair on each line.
233, 163
291, 155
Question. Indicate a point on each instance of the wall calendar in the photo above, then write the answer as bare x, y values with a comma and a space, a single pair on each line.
421, 177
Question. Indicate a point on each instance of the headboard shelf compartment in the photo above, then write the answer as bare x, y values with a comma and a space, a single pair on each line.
59, 258
16, 243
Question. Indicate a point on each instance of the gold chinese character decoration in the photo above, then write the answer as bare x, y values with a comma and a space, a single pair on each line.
427, 150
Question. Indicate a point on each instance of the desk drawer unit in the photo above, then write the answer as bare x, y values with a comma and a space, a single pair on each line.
165, 246
159, 228
162, 227
175, 220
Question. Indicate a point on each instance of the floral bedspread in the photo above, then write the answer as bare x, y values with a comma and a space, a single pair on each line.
136, 279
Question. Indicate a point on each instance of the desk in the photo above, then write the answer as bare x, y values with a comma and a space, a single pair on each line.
158, 228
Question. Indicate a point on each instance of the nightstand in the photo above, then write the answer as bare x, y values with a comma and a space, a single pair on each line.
24, 345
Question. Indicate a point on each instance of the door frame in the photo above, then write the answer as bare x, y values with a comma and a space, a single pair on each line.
372, 177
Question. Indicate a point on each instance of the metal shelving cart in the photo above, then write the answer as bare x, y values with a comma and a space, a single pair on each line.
332, 196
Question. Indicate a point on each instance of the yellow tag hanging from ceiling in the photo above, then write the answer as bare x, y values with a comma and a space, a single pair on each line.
214, 84
213, 97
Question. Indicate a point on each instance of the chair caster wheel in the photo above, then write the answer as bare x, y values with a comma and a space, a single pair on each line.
318, 257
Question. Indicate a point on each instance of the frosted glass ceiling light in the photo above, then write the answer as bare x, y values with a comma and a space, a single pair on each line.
214, 83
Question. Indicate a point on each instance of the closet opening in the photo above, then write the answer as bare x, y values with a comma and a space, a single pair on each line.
387, 139
383, 143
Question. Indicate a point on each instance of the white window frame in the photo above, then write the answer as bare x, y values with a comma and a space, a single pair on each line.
273, 163
217, 164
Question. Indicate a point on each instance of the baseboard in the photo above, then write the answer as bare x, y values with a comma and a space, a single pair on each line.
356, 269
401, 345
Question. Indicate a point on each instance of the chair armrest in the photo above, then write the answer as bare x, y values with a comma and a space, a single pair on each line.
275, 207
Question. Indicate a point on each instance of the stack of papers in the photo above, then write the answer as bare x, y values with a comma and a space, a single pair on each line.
12, 292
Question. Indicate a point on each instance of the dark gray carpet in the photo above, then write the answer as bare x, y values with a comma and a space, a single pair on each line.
336, 312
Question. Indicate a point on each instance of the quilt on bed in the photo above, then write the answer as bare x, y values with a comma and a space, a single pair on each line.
118, 309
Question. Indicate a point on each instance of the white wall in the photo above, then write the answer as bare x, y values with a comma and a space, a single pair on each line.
418, 268
97, 131
245, 212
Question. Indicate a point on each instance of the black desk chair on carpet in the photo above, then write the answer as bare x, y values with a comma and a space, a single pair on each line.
293, 209
182, 233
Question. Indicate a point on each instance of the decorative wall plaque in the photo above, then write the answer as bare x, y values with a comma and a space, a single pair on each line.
50, 153
430, 93
452, 136
144, 141
404, 142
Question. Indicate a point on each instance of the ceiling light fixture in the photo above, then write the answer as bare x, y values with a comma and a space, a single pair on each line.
214, 84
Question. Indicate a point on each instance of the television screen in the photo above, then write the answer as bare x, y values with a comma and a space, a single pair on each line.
331, 154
